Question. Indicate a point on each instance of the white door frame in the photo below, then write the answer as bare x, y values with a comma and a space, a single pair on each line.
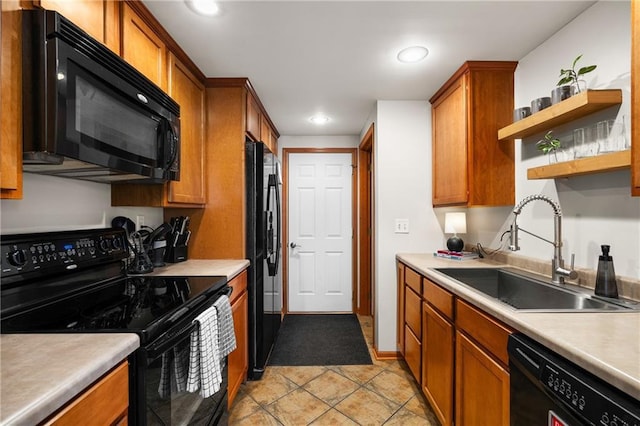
285, 217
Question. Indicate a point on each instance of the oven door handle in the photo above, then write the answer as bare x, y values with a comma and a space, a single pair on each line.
158, 347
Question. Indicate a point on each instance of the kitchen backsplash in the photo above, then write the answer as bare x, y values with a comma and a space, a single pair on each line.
52, 203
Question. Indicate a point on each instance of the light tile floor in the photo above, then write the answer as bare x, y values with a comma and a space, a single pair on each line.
384, 393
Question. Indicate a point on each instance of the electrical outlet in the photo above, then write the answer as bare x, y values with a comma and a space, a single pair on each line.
139, 222
402, 226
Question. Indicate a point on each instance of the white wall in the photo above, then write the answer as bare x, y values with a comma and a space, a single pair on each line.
402, 168
597, 209
57, 204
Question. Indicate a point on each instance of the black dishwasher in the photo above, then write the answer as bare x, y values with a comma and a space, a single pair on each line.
547, 389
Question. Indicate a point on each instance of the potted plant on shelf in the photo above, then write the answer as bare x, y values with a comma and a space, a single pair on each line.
572, 77
550, 146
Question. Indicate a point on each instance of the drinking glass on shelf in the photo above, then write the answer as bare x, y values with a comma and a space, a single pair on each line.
603, 136
591, 140
618, 135
580, 143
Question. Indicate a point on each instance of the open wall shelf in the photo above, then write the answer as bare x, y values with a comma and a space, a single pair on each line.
563, 112
600, 163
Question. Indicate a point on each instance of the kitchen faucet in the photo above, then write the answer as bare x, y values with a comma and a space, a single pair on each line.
558, 271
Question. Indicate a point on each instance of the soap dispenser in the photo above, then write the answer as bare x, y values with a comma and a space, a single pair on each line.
606, 278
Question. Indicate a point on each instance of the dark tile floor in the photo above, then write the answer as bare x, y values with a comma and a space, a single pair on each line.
384, 393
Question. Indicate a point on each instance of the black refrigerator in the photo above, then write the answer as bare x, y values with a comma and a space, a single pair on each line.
264, 251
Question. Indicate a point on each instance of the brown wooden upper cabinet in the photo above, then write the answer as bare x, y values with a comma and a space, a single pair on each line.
470, 166
253, 118
258, 125
635, 98
11, 106
143, 48
189, 191
99, 18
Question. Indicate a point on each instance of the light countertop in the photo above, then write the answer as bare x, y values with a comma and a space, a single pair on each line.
40, 373
607, 344
203, 267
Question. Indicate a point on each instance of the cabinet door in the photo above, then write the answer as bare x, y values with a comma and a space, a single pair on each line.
274, 142
99, 18
482, 386
437, 363
143, 48
635, 98
449, 124
239, 358
189, 93
400, 325
11, 100
253, 118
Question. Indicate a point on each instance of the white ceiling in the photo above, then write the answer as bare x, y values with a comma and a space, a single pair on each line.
339, 57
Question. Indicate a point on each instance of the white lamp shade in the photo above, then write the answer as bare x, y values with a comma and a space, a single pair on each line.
455, 223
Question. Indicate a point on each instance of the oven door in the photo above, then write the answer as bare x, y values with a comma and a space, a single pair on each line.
161, 383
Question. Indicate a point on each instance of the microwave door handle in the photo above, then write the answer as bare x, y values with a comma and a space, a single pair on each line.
168, 144
173, 143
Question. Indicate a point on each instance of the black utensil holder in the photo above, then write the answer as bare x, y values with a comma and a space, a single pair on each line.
176, 254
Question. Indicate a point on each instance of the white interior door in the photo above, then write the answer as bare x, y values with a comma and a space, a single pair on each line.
320, 232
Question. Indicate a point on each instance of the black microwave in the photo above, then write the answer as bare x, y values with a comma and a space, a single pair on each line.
87, 114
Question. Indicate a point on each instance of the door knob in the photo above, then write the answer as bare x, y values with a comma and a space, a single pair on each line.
293, 245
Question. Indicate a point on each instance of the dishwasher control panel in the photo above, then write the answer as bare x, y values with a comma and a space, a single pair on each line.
554, 390
598, 405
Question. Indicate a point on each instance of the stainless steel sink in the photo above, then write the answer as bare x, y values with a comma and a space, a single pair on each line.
522, 291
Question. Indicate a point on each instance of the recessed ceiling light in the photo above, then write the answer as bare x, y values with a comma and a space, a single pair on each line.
413, 54
204, 7
319, 119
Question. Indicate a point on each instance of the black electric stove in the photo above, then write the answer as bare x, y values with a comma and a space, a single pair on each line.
76, 281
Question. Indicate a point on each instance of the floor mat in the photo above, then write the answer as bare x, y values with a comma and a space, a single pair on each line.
320, 340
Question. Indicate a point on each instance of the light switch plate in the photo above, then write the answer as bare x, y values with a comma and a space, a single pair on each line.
402, 226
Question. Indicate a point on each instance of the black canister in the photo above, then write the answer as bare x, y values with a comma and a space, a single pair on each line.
606, 279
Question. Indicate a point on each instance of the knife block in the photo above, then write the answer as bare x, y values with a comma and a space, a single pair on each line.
176, 254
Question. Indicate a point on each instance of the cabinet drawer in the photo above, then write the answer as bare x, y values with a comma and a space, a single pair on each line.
239, 285
104, 403
484, 329
438, 297
413, 353
413, 311
413, 280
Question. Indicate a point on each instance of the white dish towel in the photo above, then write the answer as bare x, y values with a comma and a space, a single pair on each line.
226, 335
211, 341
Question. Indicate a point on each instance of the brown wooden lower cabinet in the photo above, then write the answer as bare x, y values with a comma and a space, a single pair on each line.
238, 360
438, 337
458, 353
104, 403
482, 386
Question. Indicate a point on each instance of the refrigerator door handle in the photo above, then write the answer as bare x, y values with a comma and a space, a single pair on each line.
278, 226
272, 264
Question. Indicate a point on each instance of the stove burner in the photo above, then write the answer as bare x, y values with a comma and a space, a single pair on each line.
113, 315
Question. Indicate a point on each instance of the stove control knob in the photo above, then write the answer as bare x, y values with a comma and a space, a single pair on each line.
105, 245
117, 244
17, 257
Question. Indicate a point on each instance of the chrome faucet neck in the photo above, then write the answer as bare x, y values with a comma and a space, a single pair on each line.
558, 272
